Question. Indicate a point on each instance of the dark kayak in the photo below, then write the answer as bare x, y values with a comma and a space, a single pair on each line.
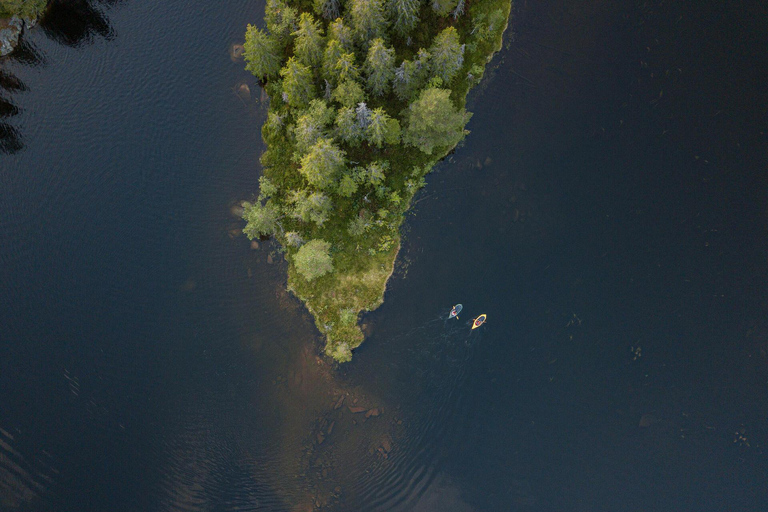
455, 311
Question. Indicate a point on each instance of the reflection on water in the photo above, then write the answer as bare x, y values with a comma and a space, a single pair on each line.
69, 22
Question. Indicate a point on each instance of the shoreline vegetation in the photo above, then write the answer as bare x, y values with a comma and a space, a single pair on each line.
366, 96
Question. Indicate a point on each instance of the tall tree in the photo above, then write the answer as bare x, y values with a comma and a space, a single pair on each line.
323, 163
411, 76
311, 125
298, 88
328, 9
262, 53
443, 7
310, 206
382, 129
349, 93
331, 55
367, 19
447, 54
313, 259
347, 127
404, 15
281, 20
338, 31
308, 45
379, 67
261, 220
345, 68
433, 122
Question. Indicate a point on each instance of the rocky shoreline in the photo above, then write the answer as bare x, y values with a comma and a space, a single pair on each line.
10, 33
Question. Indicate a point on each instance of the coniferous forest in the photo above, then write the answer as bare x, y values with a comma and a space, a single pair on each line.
365, 97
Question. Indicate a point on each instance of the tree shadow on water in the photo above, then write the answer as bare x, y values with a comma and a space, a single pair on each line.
73, 23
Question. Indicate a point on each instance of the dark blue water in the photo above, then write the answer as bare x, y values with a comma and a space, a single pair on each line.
608, 213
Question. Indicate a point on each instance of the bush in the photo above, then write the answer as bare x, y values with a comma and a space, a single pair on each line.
313, 260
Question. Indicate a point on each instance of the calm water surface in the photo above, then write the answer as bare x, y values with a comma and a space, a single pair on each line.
608, 213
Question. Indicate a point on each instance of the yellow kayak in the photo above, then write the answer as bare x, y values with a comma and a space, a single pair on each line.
479, 321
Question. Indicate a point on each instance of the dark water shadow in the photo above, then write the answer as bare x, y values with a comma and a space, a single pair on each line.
70, 23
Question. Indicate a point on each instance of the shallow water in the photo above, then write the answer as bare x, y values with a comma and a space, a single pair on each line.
607, 213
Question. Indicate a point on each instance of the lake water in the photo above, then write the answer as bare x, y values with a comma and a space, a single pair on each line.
608, 213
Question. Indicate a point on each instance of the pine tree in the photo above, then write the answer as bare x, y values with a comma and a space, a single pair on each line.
308, 46
322, 164
382, 129
443, 7
328, 9
311, 125
331, 55
433, 121
298, 88
367, 19
281, 21
309, 206
262, 53
347, 127
411, 76
447, 54
338, 31
349, 93
345, 68
404, 15
379, 66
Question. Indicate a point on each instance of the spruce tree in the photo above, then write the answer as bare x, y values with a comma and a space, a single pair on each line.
447, 54
338, 31
281, 21
345, 68
404, 15
298, 88
379, 67
328, 9
331, 55
347, 127
349, 93
308, 45
433, 122
262, 53
367, 19
323, 163
382, 129
311, 125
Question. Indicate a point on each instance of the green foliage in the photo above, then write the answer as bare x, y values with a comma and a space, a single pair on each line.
260, 220
309, 206
443, 7
348, 128
298, 88
262, 53
367, 19
379, 67
26, 9
267, 188
349, 93
323, 163
433, 121
347, 186
404, 15
311, 125
382, 129
447, 54
308, 45
310, 192
338, 31
281, 21
328, 9
313, 259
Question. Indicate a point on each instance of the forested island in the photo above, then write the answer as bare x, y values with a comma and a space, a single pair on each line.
365, 97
